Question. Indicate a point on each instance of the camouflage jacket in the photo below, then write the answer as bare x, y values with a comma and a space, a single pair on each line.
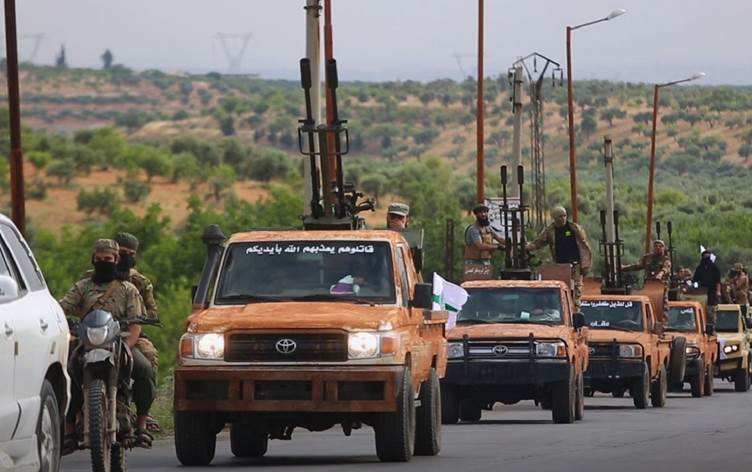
739, 286
548, 236
123, 302
655, 267
145, 289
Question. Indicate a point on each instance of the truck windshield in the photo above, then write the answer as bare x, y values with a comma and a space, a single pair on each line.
358, 271
681, 319
613, 314
727, 321
512, 305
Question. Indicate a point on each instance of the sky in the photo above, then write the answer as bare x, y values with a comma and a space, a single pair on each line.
656, 41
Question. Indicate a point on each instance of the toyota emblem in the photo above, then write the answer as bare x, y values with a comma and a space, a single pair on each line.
591, 350
500, 350
286, 346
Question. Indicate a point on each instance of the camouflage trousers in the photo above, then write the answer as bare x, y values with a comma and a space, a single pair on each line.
577, 282
149, 351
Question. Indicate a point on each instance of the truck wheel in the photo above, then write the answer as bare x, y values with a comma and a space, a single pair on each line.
470, 410
195, 437
640, 388
658, 390
246, 442
709, 381
428, 418
579, 406
741, 380
395, 431
563, 399
48, 430
697, 382
450, 404
545, 402
677, 366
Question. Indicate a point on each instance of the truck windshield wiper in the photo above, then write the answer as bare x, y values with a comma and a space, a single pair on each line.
251, 298
334, 298
618, 328
545, 322
476, 321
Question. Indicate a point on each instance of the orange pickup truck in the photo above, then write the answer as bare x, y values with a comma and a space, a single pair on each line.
309, 329
689, 319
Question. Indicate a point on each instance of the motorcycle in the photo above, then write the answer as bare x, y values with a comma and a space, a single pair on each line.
101, 365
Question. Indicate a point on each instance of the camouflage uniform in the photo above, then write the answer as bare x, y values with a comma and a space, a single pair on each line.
655, 267
740, 286
548, 237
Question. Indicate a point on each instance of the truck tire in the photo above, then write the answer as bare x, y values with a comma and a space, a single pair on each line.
450, 404
658, 390
247, 442
195, 438
470, 410
563, 399
428, 418
395, 431
709, 381
640, 388
697, 382
741, 380
579, 406
49, 442
677, 363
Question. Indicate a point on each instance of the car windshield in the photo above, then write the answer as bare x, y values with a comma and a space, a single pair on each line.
512, 305
681, 319
727, 321
359, 271
613, 314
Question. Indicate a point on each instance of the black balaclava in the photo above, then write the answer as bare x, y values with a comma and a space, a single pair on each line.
104, 272
126, 263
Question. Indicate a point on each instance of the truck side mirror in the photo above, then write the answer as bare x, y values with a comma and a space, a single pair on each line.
423, 297
578, 320
748, 323
8, 289
710, 329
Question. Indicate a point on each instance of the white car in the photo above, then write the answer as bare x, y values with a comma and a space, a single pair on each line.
34, 382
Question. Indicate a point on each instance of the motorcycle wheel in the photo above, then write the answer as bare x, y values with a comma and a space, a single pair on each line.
99, 441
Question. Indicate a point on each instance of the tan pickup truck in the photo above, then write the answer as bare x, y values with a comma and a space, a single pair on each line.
516, 340
734, 352
628, 351
689, 319
310, 329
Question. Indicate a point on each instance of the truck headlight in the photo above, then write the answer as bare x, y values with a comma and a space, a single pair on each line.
693, 352
363, 345
455, 350
203, 346
630, 350
552, 349
730, 348
97, 336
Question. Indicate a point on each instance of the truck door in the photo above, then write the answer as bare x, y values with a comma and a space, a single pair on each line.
9, 410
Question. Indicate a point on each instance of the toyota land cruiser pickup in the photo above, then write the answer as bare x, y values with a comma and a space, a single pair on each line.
310, 329
689, 319
734, 353
516, 340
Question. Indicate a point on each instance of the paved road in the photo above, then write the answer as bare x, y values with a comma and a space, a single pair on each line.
688, 435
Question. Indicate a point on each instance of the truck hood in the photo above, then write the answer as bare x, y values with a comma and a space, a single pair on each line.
692, 337
608, 335
296, 315
509, 330
730, 337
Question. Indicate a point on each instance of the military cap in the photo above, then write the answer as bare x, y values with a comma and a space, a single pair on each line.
558, 211
401, 209
480, 207
659, 241
127, 240
106, 245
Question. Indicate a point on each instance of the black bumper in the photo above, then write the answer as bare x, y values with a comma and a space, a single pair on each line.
693, 368
506, 372
605, 369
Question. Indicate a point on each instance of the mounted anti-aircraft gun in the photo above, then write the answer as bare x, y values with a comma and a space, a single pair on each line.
613, 279
334, 204
674, 286
516, 255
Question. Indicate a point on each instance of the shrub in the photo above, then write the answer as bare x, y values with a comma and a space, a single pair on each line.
135, 190
102, 201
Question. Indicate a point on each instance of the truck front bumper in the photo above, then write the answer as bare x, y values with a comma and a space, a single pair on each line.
506, 372
340, 389
726, 367
614, 369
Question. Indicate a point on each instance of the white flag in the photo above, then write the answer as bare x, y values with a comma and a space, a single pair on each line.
448, 296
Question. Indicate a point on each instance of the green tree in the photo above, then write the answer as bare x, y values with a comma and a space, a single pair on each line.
102, 201
610, 114
588, 125
63, 169
39, 159
107, 59
221, 181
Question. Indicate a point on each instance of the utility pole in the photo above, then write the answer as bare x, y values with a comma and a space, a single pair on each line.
517, 130
17, 199
480, 161
608, 161
328, 161
313, 53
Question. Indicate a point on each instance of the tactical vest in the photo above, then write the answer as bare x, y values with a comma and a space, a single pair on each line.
472, 252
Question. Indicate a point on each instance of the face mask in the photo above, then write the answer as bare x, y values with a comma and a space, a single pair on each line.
483, 221
126, 263
104, 272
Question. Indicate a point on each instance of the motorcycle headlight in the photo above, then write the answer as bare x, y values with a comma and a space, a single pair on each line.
203, 346
97, 336
363, 345
630, 350
693, 352
730, 348
553, 349
455, 350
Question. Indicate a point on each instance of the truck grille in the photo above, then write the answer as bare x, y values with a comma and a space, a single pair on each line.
286, 347
498, 349
603, 349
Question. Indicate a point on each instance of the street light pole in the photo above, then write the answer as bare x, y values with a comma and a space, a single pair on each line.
17, 198
570, 99
651, 171
480, 160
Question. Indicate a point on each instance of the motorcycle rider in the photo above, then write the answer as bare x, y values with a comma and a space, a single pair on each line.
104, 291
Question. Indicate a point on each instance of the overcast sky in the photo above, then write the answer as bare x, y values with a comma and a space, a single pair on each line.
657, 40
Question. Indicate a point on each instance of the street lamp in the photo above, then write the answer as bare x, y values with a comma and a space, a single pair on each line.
572, 159
651, 178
